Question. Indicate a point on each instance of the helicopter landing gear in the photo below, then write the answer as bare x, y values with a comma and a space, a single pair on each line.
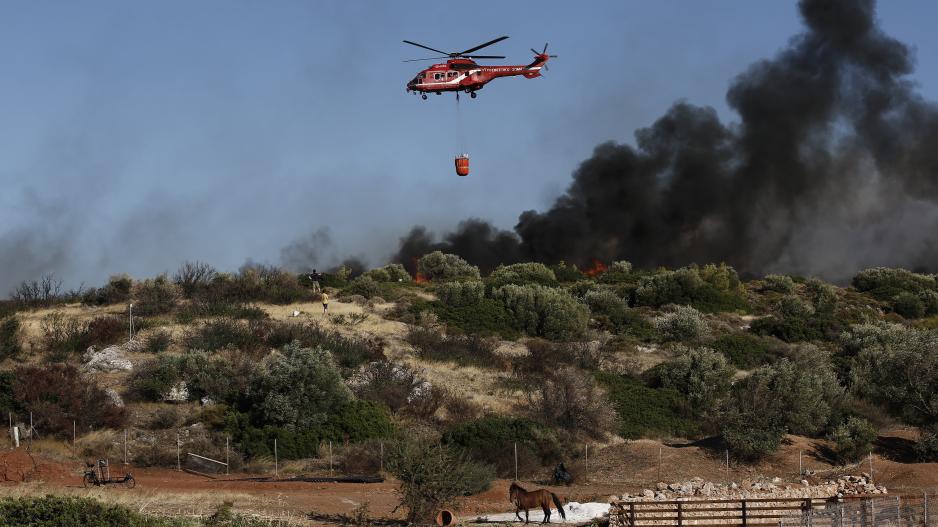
423, 96
472, 94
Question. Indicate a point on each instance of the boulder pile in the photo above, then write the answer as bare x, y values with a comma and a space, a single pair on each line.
698, 488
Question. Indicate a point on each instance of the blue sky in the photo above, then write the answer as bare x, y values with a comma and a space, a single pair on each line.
136, 135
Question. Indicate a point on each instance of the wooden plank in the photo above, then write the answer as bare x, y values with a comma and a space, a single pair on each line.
751, 500
197, 473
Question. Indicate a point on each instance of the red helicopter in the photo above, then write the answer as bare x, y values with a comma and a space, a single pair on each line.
461, 73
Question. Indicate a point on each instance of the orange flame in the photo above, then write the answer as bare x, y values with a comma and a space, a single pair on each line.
596, 269
418, 276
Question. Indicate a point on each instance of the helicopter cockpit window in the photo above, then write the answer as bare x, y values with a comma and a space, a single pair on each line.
436, 76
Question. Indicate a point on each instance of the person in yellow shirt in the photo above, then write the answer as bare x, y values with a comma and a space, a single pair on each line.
325, 302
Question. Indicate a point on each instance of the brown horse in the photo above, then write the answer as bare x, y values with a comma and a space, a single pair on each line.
542, 498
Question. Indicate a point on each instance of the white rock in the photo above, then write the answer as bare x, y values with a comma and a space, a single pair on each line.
109, 359
114, 397
178, 393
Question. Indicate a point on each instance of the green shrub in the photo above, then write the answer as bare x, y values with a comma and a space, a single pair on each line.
337, 278
897, 367
154, 378
432, 476
348, 352
884, 283
711, 289
823, 297
492, 439
522, 274
543, 311
852, 439
682, 323
440, 267
116, 291
298, 387
156, 296
617, 272
909, 305
647, 412
62, 511
751, 435
799, 397
930, 299
9, 338
396, 273
461, 294
797, 321
353, 421
158, 341
702, 375
486, 318
364, 286
223, 377
7, 399
742, 350
565, 272
604, 302
778, 283
926, 448
377, 275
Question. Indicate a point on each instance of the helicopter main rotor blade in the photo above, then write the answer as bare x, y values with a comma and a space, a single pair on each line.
545, 48
426, 47
484, 56
429, 58
489, 43
536, 52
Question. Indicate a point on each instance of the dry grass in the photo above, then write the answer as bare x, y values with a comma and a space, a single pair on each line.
192, 504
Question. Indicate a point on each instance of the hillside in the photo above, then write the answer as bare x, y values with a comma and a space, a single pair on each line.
605, 371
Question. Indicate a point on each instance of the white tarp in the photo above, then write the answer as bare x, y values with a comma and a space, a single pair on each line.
576, 513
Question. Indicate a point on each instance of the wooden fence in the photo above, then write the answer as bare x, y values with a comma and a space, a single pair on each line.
711, 513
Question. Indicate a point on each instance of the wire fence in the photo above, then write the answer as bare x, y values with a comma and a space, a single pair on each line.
894, 511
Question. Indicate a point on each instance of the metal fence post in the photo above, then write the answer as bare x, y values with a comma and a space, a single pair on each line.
680, 515
276, 461
382, 457
587, 459
227, 456
744, 512
178, 460
925, 510
516, 461
330, 456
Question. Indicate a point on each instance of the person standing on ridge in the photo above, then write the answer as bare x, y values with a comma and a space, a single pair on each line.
315, 277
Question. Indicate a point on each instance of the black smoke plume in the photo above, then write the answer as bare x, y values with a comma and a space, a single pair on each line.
832, 166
